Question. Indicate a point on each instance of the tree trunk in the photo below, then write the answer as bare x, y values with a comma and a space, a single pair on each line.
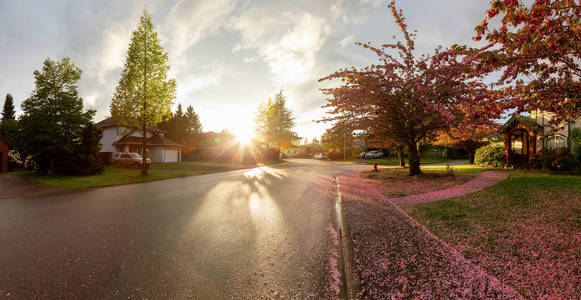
471, 156
401, 156
144, 152
414, 159
144, 125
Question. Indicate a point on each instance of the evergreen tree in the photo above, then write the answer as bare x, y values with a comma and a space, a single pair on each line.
145, 94
274, 124
8, 123
194, 130
8, 112
184, 128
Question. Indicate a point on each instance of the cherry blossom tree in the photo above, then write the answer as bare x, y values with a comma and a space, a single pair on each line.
410, 97
538, 50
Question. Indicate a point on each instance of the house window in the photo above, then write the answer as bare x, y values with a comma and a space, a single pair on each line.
557, 141
122, 131
518, 142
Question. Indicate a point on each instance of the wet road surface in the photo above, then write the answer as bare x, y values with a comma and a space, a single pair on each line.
251, 233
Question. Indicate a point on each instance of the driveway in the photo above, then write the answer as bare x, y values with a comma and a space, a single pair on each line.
12, 186
258, 233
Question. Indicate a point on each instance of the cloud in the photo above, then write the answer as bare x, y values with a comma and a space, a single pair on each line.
111, 55
189, 21
290, 57
91, 98
209, 75
226, 55
249, 59
346, 41
338, 10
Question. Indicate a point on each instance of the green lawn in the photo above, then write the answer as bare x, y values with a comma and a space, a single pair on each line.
526, 230
457, 169
472, 170
394, 161
116, 176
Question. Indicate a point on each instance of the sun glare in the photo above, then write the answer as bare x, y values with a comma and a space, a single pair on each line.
243, 135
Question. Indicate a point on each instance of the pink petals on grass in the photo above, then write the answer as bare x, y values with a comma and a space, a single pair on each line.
535, 248
481, 181
397, 258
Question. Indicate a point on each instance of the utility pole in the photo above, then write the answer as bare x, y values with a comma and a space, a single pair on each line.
343, 145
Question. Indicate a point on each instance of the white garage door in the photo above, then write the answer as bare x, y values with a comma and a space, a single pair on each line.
171, 155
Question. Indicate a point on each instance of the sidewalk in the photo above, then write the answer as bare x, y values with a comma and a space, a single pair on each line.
396, 257
480, 182
12, 186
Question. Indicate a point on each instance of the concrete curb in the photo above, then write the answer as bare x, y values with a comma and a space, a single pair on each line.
351, 279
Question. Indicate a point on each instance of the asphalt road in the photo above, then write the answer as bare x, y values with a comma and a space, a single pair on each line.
245, 234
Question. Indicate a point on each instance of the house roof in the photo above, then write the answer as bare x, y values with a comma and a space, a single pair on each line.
526, 121
155, 140
110, 122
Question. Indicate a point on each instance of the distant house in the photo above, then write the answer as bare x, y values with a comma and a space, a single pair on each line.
524, 136
123, 139
3, 154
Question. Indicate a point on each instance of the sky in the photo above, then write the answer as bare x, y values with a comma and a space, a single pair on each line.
227, 56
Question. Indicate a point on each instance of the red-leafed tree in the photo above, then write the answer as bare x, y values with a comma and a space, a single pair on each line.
466, 137
408, 98
472, 131
538, 50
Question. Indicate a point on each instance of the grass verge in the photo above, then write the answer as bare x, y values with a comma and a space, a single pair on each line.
394, 161
526, 230
116, 176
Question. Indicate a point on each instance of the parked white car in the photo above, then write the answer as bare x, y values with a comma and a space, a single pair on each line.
362, 155
321, 156
374, 154
128, 159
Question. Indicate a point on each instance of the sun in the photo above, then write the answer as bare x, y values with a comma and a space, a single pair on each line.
243, 135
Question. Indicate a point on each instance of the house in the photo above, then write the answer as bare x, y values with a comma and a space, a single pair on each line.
524, 136
123, 139
3, 154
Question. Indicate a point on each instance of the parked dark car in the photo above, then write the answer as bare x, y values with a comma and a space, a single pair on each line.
128, 159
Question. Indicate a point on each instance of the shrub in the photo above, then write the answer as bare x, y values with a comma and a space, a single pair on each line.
490, 156
554, 160
85, 159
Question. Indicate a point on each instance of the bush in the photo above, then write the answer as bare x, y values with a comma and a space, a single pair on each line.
554, 160
85, 159
490, 156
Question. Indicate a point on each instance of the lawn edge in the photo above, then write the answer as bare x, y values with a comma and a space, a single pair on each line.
140, 182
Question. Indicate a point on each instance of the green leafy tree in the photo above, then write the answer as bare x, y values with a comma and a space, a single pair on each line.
8, 112
335, 141
144, 94
274, 125
53, 120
